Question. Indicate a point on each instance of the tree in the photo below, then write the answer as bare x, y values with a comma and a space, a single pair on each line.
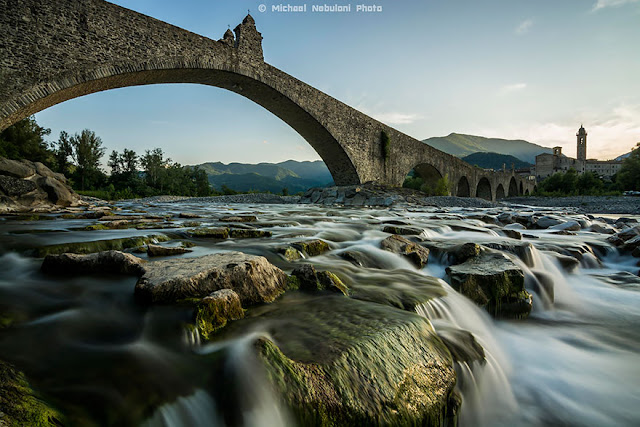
154, 165
114, 163
25, 140
62, 150
87, 152
629, 176
589, 183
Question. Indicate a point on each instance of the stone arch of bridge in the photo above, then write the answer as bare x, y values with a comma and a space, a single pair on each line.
513, 187
500, 192
463, 188
483, 189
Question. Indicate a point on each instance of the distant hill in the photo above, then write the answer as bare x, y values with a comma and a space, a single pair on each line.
495, 161
462, 145
293, 175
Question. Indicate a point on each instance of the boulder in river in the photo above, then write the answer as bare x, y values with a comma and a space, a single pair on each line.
492, 281
210, 232
376, 365
239, 218
415, 253
27, 186
405, 231
309, 279
108, 262
312, 247
253, 278
157, 250
99, 245
214, 311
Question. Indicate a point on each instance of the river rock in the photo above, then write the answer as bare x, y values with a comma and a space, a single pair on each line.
157, 250
308, 279
312, 247
248, 233
210, 232
289, 253
20, 405
108, 262
492, 281
514, 234
25, 185
415, 253
405, 231
98, 245
253, 278
376, 366
602, 228
566, 226
189, 215
548, 221
239, 218
16, 168
214, 311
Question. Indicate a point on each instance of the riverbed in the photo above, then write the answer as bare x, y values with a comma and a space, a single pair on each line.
88, 347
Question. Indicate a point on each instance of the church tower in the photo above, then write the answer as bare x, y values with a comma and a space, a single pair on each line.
582, 143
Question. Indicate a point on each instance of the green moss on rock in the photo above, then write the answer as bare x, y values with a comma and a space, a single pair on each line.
213, 312
312, 247
98, 245
20, 405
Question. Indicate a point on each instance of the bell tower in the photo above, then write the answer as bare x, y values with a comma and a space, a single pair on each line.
582, 143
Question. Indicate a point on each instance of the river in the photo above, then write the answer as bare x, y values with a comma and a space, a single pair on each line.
89, 348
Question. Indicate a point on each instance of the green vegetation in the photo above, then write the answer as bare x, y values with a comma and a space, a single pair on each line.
386, 144
25, 140
629, 175
440, 188
572, 184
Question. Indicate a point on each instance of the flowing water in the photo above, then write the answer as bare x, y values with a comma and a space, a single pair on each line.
92, 351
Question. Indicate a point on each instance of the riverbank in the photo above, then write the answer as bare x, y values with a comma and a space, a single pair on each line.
583, 204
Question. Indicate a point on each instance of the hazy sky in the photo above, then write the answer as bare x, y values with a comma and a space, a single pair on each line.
529, 69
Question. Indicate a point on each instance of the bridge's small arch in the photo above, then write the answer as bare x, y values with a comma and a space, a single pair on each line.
535, 188
526, 192
521, 188
513, 188
428, 179
500, 192
484, 189
463, 190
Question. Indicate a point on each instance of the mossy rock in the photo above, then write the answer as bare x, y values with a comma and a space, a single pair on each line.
248, 233
213, 312
312, 247
20, 405
94, 227
492, 281
309, 279
98, 245
210, 232
343, 362
290, 253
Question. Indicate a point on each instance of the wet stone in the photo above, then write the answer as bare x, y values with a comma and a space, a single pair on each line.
157, 250
415, 253
214, 311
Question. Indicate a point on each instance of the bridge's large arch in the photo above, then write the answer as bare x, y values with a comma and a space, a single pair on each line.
463, 189
429, 175
57, 50
483, 190
513, 188
499, 192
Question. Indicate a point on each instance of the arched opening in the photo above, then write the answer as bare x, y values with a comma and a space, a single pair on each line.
260, 91
521, 188
526, 192
535, 188
483, 190
463, 188
426, 178
513, 188
500, 192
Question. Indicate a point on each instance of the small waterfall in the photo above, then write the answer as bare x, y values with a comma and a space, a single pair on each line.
191, 336
478, 383
199, 409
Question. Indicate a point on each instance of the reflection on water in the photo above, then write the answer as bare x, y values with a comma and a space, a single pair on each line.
91, 350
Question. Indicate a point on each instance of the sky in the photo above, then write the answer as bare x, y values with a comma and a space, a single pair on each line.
516, 69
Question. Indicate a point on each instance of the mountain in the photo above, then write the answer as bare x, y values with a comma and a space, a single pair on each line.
293, 175
462, 145
495, 161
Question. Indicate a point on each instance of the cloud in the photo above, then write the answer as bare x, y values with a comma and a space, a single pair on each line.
601, 4
524, 27
514, 87
395, 118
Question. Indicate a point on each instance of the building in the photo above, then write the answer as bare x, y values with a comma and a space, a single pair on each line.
550, 163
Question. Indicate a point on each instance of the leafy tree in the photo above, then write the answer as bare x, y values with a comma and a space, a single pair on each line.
154, 164
62, 150
114, 163
25, 140
629, 176
87, 152
589, 183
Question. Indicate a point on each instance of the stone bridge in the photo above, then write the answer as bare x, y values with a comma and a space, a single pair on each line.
55, 50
